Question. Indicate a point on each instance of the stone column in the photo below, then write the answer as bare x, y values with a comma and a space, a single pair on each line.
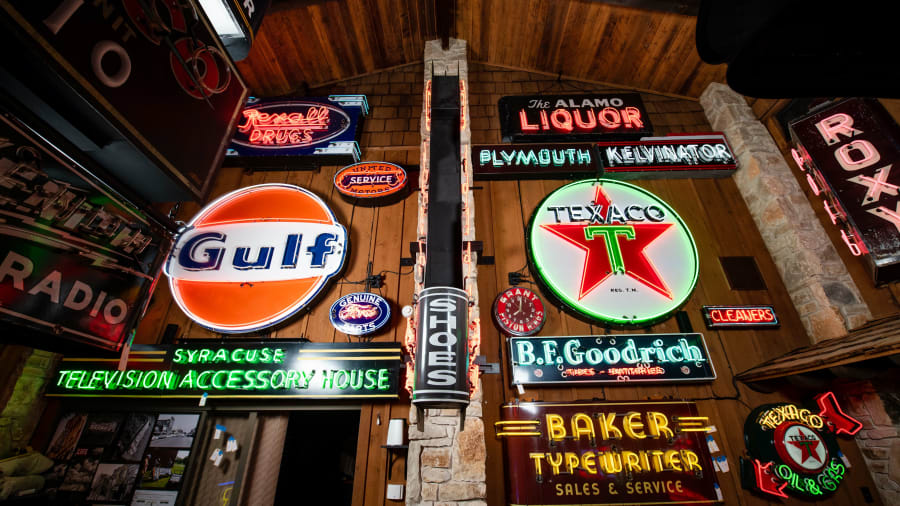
822, 290
446, 466
31, 370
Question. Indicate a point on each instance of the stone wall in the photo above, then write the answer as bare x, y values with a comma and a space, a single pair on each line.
446, 465
879, 438
827, 299
27, 373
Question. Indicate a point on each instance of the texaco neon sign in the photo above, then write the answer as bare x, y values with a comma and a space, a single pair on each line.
612, 252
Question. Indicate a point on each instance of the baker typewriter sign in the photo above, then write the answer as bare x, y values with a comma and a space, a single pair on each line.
76, 260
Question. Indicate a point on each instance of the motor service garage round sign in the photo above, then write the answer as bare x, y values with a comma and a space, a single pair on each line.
612, 252
254, 257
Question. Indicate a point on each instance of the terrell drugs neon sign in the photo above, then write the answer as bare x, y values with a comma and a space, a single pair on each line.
235, 369
606, 453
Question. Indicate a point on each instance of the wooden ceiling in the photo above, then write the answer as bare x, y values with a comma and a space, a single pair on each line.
312, 42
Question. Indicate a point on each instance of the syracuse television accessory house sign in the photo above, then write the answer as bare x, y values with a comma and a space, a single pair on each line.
567, 453
612, 252
254, 257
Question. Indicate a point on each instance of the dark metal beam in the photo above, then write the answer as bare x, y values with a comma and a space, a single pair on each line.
443, 13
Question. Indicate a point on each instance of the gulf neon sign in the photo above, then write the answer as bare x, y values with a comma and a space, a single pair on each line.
254, 257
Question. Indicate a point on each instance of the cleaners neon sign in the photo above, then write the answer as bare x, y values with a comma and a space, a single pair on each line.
739, 316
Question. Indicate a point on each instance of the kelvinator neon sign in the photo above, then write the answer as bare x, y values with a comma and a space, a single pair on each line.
238, 370
612, 252
606, 453
794, 450
254, 257
550, 118
847, 151
673, 156
632, 358
739, 316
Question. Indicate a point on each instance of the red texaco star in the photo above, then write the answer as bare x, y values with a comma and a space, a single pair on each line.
597, 262
808, 449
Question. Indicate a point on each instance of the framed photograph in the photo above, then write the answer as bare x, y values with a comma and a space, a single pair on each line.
163, 467
154, 498
174, 430
81, 470
100, 430
113, 482
65, 439
133, 437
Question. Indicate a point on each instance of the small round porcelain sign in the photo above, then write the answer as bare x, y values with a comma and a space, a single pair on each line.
358, 314
254, 257
370, 180
612, 252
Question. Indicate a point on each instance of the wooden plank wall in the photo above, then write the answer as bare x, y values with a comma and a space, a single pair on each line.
883, 301
713, 209
722, 226
377, 234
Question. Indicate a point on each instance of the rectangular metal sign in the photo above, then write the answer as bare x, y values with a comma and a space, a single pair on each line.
229, 369
603, 453
573, 118
535, 161
622, 358
673, 156
76, 259
282, 133
738, 317
850, 152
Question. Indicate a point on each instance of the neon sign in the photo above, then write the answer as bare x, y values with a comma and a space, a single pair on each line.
535, 161
673, 156
238, 370
739, 316
847, 151
371, 182
254, 257
606, 453
272, 133
551, 118
612, 252
632, 358
793, 449
358, 314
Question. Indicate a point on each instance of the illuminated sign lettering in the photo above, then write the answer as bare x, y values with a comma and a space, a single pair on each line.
610, 359
636, 259
563, 453
357, 314
805, 459
535, 161
739, 316
254, 257
371, 182
442, 348
849, 151
551, 118
674, 156
276, 133
238, 370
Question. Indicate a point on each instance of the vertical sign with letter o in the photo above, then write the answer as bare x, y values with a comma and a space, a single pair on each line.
442, 353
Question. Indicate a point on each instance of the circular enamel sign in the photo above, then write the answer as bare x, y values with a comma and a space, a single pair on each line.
519, 311
801, 447
254, 257
360, 313
370, 180
612, 252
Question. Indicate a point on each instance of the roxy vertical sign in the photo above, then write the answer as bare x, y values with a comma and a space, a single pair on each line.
849, 151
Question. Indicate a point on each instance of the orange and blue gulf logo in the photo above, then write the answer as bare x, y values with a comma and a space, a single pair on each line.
254, 257
370, 179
